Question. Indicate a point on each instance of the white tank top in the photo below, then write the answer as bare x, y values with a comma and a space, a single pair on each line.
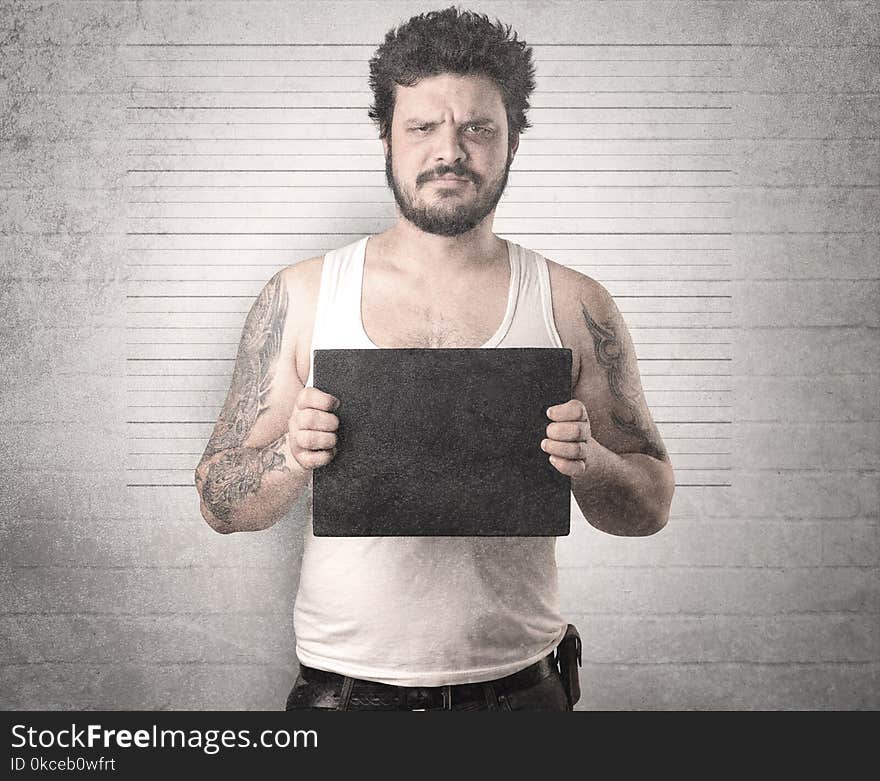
427, 611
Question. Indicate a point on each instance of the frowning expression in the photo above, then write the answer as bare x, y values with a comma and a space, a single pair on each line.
450, 157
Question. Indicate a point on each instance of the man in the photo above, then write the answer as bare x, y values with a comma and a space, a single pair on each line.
426, 622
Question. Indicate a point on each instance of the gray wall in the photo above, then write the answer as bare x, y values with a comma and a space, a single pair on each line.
714, 164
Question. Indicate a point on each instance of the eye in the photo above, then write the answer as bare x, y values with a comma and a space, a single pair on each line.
420, 129
479, 130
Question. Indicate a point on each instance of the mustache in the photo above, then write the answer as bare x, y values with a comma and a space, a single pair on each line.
456, 170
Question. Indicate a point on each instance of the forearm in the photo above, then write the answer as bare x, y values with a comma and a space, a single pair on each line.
628, 495
249, 489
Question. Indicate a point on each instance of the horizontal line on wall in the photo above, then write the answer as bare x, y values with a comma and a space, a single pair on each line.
190, 485
202, 439
220, 360
604, 279
233, 344
138, 663
325, 59
509, 187
587, 661
375, 44
190, 469
530, 138
377, 171
169, 439
360, 155
197, 453
581, 45
323, 249
223, 389
146, 92
180, 453
532, 109
631, 328
228, 295
579, 265
653, 139
361, 124
388, 202
212, 422
732, 567
144, 614
266, 218
684, 614
350, 76
516, 233
623, 311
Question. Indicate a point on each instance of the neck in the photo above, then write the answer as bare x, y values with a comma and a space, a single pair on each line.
432, 257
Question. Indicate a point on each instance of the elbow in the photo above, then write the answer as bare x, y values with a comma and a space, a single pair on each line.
217, 524
656, 514
221, 527
653, 523
649, 513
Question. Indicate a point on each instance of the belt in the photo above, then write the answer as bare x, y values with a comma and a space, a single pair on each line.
371, 694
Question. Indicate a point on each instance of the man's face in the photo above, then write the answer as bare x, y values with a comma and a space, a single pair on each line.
450, 156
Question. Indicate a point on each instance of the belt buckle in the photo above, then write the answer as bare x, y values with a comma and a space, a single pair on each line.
417, 694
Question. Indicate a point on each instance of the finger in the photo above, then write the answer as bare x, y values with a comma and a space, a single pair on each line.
312, 459
568, 467
315, 440
312, 398
571, 410
316, 420
569, 432
568, 450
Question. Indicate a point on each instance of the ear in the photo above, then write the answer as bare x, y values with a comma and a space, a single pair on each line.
385, 146
514, 146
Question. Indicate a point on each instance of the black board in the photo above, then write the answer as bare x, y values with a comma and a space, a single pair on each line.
442, 442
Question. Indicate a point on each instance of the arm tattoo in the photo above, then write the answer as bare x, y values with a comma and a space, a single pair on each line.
239, 471
254, 368
620, 368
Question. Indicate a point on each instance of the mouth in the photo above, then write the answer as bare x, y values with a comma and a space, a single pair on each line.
447, 179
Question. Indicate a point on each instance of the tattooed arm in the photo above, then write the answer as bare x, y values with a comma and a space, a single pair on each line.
247, 477
624, 483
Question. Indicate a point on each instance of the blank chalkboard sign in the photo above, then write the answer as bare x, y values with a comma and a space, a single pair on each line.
439, 442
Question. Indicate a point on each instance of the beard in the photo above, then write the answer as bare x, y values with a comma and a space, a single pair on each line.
448, 214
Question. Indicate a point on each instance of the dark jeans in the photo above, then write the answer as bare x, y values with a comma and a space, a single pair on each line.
317, 691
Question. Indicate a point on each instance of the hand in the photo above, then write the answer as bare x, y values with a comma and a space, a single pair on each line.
567, 437
311, 427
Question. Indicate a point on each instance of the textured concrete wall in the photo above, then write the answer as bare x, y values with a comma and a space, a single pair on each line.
763, 590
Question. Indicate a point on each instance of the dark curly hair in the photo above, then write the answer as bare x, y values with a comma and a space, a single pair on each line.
452, 41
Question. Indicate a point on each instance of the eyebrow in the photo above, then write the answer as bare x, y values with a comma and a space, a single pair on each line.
474, 121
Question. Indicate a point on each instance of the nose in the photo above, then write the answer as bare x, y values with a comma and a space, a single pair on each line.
449, 149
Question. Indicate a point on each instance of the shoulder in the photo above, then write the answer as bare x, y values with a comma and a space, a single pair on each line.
303, 278
302, 284
574, 289
577, 298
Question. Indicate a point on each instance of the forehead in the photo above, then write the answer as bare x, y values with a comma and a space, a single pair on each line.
459, 94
